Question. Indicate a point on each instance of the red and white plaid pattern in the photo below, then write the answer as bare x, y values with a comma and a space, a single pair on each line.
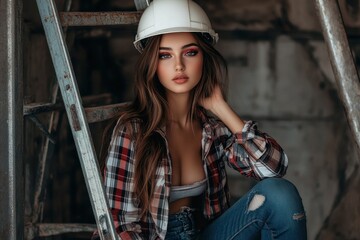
250, 152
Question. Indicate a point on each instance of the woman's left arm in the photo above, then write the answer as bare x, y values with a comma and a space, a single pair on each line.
263, 156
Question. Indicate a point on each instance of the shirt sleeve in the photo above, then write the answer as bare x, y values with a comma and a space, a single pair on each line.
255, 154
118, 174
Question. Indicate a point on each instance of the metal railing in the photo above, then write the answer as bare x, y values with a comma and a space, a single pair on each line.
342, 62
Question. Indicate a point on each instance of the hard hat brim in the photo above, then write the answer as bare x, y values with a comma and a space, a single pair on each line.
138, 39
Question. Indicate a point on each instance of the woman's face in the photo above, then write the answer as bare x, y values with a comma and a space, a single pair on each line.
180, 62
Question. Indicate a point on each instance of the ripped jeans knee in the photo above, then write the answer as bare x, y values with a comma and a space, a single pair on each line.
272, 209
279, 203
256, 202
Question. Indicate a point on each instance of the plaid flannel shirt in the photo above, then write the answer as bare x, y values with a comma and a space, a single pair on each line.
250, 152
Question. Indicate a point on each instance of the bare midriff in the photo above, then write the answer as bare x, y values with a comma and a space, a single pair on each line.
176, 206
191, 202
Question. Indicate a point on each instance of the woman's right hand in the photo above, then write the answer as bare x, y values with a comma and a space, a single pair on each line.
218, 106
214, 101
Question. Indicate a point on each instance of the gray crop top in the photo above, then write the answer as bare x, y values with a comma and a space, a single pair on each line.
191, 190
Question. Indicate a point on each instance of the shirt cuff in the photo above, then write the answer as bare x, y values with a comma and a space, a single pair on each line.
247, 133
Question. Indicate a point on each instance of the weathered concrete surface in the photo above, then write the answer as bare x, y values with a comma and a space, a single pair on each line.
245, 14
258, 15
277, 83
276, 15
272, 77
291, 83
343, 223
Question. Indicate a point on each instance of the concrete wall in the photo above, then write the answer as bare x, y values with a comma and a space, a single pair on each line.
282, 88
280, 76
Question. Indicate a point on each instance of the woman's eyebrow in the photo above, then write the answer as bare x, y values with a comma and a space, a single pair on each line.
183, 47
165, 48
190, 45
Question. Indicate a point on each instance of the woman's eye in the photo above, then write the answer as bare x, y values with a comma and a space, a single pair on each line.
164, 55
192, 53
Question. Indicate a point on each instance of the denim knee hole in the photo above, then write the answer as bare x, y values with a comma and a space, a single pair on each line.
256, 202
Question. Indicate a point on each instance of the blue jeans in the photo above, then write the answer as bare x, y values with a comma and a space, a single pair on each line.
272, 209
182, 225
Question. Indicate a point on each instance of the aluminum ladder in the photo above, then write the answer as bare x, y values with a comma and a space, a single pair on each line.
72, 101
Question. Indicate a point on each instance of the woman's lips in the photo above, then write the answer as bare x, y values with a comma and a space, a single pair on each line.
180, 79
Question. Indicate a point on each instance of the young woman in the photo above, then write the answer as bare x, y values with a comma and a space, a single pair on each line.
165, 168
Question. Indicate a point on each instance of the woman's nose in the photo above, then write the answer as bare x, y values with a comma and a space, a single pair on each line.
179, 65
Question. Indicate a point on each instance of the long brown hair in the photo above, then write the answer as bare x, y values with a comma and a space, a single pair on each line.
150, 107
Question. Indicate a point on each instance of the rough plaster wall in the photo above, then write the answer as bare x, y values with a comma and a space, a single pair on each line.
343, 220
277, 84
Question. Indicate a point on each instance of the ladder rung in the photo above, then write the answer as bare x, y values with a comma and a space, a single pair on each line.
36, 108
72, 19
43, 107
51, 229
93, 114
102, 113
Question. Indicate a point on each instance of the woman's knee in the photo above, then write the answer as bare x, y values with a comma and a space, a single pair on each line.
278, 192
278, 202
277, 186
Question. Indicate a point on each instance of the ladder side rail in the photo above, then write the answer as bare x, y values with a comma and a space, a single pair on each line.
76, 116
342, 62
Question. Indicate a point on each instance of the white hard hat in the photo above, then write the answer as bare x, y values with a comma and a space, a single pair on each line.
169, 16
